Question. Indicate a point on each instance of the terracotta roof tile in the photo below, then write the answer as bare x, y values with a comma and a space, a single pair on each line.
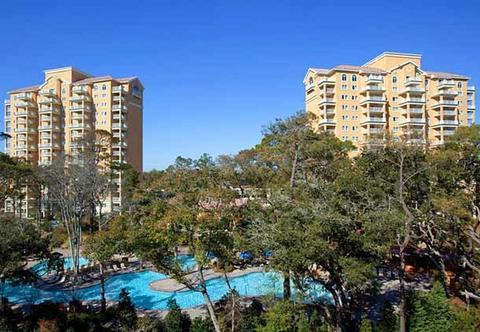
437, 74
26, 89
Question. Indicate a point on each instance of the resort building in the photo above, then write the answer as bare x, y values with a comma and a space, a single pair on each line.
390, 94
47, 121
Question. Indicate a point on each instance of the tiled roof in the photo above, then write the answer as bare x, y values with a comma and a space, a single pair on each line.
437, 74
359, 69
93, 79
364, 69
320, 70
26, 89
126, 79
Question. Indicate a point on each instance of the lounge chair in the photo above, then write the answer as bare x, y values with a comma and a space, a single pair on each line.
115, 268
122, 266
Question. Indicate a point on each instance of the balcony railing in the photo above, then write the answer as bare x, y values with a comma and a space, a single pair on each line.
374, 79
443, 84
450, 103
412, 81
118, 89
326, 101
25, 96
373, 99
446, 123
24, 104
79, 90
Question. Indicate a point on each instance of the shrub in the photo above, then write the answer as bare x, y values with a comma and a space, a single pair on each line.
126, 314
175, 320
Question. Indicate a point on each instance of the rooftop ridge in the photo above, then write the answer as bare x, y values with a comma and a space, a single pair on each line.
397, 54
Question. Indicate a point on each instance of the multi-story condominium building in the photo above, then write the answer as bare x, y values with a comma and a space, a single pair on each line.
47, 121
391, 94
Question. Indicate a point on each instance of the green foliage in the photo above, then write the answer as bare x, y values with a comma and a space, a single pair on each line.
176, 320
148, 324
284, 317
389, 320
430, 311
126, 314
366, 325
202, 325
7, 319
253, 316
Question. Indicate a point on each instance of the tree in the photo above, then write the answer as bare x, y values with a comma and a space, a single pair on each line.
18, 241
366, 325
176, 320
201, 325
126, 314
284, 317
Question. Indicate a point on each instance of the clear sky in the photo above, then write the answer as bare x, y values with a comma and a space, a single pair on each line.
216, 71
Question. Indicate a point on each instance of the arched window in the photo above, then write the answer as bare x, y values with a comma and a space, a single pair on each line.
104, 87
354, 78
310, 81
344, 77
394, 79
459, 85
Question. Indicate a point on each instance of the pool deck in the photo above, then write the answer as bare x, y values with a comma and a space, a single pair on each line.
172, 285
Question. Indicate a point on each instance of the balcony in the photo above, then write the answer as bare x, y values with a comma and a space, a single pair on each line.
80, 90
119, 89
80, 98
470, 89
449, 112
116, 108
374, 110
446, 92
24, 104
326, 101
79, 126
412, 90
412, 101
119, 145
375, 130
24, 113
412, 110
445, 103
48, 93
81, 108
24, 130
412, 81
118, 98
327, 91
119, 126
446, 123
117, 117
26, 96
446, 132
372, 88
445, 84
49, 110
374, 120
326, 81
49, 128
413, 122
45, 101
309, 87
415, 141
327, 122
373, 100
374, 79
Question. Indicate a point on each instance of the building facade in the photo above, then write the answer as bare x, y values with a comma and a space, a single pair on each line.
47, 121
391, 94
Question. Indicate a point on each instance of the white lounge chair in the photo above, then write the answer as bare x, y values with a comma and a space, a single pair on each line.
115, 268
122, 266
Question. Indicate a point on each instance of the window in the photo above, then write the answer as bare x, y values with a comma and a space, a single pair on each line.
104, 87
394, 89
394, 98
344, 138
354, 78
344, 77
104, 95
344, 107
354, 117
354, 128
395, 108
394, 79
344, 97
459, 85
395, 118
355, 138
95, 87
354, 97
344, 117
355, 108
310, 81
354, 87
396, 128
344, 128
344, 87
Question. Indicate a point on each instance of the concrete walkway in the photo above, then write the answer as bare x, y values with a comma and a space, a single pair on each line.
172, 285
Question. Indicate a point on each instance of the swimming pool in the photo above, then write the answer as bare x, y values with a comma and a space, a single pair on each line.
42, 267
143, 296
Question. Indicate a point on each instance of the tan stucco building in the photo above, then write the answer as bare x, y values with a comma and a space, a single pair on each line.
47, 121
390, 94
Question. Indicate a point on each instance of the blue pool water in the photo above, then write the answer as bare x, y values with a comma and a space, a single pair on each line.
42, 267
143, 296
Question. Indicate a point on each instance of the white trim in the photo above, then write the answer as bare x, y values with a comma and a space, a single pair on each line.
56, 70
406, 63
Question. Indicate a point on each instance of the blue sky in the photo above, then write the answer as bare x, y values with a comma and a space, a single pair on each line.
216, 71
